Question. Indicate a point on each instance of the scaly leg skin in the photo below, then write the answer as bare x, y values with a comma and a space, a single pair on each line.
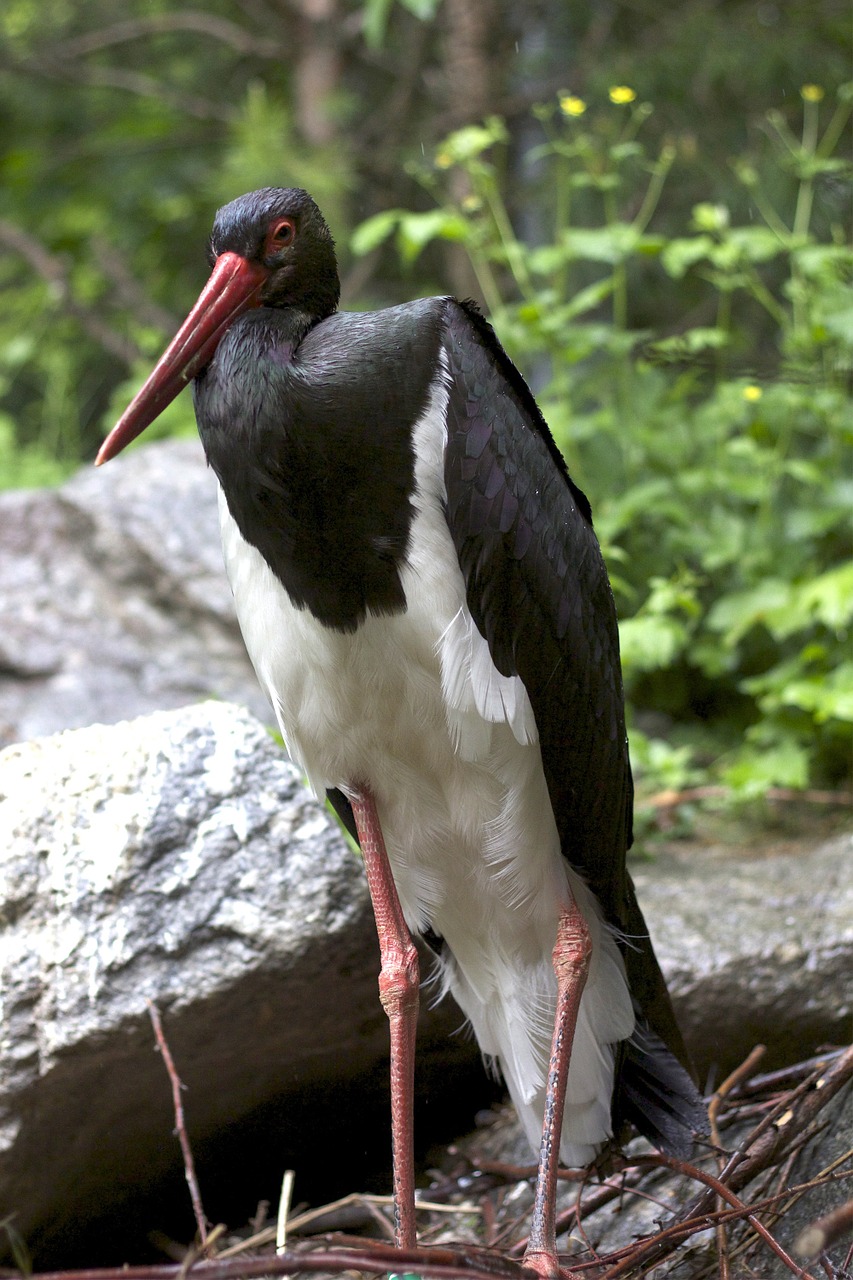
399, 983
571, 956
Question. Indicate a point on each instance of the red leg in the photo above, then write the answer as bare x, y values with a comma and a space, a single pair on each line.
572, 952
398, 990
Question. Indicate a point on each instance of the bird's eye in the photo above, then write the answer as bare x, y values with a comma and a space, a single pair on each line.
281, 233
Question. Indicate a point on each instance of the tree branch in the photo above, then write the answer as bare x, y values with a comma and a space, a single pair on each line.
127, 289
207, 24
53, 271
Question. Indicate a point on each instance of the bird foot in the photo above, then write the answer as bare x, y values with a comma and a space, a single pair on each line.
545, 1264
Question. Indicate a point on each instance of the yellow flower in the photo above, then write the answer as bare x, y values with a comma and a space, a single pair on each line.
622, 94
752, 393
571, 106
811, 93
443, 160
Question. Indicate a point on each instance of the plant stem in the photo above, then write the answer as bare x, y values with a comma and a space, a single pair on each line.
619, 275
561, 222
724, 322
509, 243
654, 189
803, 214
762, 294
486, 280
834, 129
770, 216
805, 196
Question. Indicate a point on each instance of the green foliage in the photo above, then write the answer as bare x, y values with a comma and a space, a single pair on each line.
375, 15
264, 150
122, 134
28, 466
715, 452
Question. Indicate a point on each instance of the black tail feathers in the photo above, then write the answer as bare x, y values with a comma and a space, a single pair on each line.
656, 1094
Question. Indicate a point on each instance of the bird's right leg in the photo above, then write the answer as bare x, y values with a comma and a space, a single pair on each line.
399, 983
572, 951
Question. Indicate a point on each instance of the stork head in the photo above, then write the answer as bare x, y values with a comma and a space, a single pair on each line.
270, 248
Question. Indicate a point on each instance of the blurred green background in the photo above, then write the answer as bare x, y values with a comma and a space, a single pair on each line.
651, 202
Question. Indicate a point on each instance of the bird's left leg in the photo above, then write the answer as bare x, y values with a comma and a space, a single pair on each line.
571, 956
399, 983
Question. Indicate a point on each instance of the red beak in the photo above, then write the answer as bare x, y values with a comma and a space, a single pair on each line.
233, 287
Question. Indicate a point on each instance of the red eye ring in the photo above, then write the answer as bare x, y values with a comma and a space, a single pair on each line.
281, 233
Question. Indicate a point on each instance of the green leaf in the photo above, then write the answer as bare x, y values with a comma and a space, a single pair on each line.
787, 608
660, 764
375, 13
681, 254
374, 20
825, 696
838, 314
373, 232
755, 244
651, 643
710, 217
691, 342
416, 230
587, 299
823, 261
601, 244
472, 141
738, 612
783, 763
828, 598
546, 259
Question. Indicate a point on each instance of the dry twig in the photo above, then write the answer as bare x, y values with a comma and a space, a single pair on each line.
825, 1232
670, 799
745, 1070
180, 1126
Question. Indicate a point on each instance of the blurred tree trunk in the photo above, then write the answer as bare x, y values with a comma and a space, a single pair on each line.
470, 89
469, 25
317, 70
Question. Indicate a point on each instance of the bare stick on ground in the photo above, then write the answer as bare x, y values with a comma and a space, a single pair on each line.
180, 1126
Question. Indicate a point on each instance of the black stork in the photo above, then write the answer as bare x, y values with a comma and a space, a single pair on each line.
424, 600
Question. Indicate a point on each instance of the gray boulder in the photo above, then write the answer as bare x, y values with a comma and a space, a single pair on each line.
757, 947
114, 599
